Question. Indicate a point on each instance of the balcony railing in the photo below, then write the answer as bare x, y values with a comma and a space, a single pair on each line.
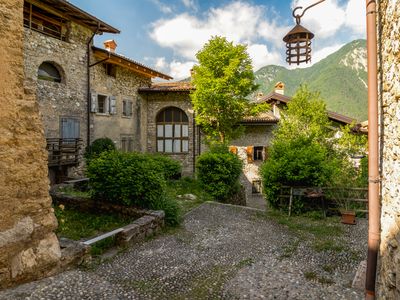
63, 152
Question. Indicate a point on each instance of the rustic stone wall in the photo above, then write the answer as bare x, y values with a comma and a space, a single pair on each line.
124, 86
69, 97
389, 47
155, 102
255, 135
28, 247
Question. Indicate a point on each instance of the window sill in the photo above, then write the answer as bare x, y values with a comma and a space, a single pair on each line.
126, 117
174, 153
103, 114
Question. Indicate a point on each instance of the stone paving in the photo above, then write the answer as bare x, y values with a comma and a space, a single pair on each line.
221, 252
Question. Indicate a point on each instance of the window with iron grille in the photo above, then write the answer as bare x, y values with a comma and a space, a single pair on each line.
172, 131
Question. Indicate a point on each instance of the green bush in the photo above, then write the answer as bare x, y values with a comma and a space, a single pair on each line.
218, 173
131, 179
171, 168
296, 162
97, 147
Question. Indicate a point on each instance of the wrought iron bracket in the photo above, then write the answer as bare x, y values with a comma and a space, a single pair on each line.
299, 16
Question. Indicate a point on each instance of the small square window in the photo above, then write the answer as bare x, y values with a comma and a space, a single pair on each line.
111, 70
258, 153
126, 108
102, 104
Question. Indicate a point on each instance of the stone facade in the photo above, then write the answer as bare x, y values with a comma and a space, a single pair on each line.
124, 86
154, 103
389, 48
28, 246
254, 136
60, 100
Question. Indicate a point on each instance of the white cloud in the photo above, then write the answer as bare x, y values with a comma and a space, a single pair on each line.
324, 19
261, 56
180, 70
324, 52
189, 4
355, 16
162, 6
238, 21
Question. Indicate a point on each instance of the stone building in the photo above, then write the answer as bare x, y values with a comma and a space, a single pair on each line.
83, 92
57, 42
28, 246
118, 112
389, 97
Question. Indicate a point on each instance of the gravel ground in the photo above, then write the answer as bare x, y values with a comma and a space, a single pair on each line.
221, 252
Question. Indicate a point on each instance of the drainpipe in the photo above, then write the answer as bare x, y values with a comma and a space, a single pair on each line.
194, 143
373, 149
88, 98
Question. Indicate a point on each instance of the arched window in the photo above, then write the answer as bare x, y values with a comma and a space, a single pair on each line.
172, 131
47, 71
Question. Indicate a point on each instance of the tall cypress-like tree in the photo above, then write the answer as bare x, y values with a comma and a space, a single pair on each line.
223, 79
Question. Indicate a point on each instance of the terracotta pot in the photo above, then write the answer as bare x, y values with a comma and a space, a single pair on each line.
348, 217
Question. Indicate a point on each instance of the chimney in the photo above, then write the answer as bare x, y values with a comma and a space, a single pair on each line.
110, 45
280, 88
259, 96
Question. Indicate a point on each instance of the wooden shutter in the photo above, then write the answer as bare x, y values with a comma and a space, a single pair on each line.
113, 105
265, 153
249, 152
233, 149
129, 108
69, 128
94, 102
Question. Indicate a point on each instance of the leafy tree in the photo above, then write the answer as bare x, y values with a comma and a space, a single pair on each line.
223, 79
302, 153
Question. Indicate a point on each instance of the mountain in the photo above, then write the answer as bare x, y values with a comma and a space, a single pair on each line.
340, 77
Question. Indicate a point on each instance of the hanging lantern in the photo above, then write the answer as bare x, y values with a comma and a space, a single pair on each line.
298, 44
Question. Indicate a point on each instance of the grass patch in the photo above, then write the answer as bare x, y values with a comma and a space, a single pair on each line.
312, 276
70, 191
245, 262
289, 250
187, 185
314, 228
77, 225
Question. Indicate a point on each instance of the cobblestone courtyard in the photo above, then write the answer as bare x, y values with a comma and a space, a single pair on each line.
221, 252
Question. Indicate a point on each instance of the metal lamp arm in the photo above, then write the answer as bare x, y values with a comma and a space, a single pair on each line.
298, 17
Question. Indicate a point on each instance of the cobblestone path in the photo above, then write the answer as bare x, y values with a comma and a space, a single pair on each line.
221, 252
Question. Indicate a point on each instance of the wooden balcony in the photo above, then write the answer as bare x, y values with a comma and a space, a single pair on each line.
63, 152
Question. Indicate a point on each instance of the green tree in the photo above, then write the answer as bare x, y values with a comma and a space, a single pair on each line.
302, 153
223, 79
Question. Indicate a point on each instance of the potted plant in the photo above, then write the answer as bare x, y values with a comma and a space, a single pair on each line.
341, 198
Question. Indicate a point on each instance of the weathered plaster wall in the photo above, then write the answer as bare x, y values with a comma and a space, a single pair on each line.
389, 46
28, 246
155, 103
124, 86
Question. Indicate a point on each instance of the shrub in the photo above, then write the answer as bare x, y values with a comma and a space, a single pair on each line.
170, 167
97, 147
131, 179
218, 173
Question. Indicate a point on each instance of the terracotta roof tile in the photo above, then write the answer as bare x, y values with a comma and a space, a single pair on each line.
264, 117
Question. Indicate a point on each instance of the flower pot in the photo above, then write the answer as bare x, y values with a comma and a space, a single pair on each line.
348, 217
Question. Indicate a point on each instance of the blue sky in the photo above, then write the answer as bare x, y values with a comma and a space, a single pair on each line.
166, 34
